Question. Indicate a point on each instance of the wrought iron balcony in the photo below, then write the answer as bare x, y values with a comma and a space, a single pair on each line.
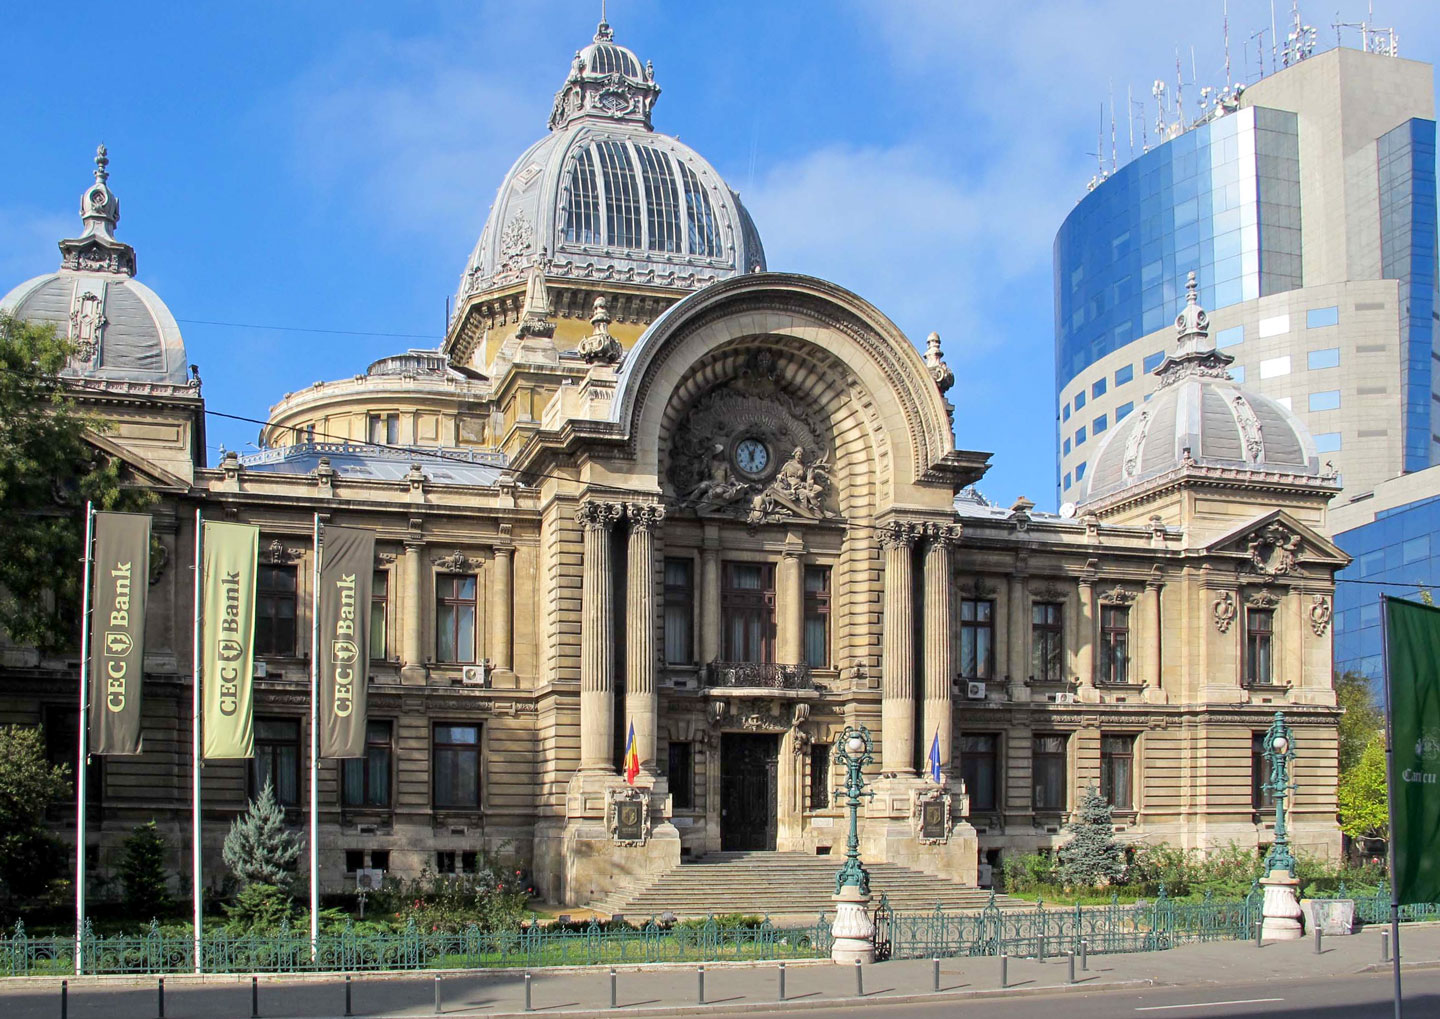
763, 675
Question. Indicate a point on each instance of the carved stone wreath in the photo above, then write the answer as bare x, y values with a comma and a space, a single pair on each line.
1262, 599
1273, 550
617, 799
1224, 611
1118, 595
919, 800
1321, 613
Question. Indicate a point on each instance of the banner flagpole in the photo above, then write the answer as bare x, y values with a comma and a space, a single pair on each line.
196, 875
315, 747
84, 743
1390, 792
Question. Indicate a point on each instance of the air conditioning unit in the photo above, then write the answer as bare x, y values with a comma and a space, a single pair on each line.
368, 879
473, 675
1061, 698
975, 690
259, 672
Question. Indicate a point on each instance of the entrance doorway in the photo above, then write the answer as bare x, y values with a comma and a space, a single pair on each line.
748, 790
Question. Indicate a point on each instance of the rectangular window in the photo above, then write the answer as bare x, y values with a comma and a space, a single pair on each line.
1124, 375
1237, 372
367, 779
1099, 425
1097, 388
1259, 646
1276, 325
1048, 762
1047, 642
819, 776
454, 618
681, 773
1123, 411
277, 758
1273, 367
1327, 442
1067, 477
384, 429
1080, 436
1114, 644
380, 859
1067, 447
979, 768
1261, 797
1328, 400
747, 612
1318, 318
1327, 358
1117, 771
1079, 471
817, 616
977, 638
679, 611
1415, 549
455, 766
379, 598
1229, 337
1080, 399
1153, 361
1065, 413
275, 610
354, 860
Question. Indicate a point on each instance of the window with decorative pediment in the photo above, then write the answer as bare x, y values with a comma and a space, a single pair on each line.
1259, 646
1115, 644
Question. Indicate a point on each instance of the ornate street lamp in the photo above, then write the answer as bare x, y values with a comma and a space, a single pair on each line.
853, 931
1281, 909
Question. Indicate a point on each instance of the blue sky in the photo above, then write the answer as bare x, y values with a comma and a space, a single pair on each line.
328, 166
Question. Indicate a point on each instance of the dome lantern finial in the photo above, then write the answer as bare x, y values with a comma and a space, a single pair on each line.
96, 249
102, 160
606, 81
1195, 352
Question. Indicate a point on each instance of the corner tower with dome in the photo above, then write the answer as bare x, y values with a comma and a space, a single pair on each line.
647, 494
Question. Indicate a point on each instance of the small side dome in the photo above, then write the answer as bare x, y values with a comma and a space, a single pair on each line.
121, 330
1199, 418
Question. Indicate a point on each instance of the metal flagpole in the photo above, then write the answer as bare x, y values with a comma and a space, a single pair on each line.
315, 748
196, 875
1390, 792
84, 741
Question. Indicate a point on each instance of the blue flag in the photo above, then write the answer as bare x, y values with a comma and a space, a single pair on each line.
935, 758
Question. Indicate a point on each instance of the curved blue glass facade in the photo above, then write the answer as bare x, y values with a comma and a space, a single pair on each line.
1221, 200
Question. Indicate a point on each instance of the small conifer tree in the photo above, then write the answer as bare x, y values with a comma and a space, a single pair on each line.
258, 848
142, 872
1092, 856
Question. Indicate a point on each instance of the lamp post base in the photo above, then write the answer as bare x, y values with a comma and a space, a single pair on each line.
853, 930
1281, 909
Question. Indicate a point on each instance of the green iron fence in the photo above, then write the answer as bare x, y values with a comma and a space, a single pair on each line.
1375, 907
288, 951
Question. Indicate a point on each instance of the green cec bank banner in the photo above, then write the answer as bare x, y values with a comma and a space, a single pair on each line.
117, 631
1413, 682
227, 658
347, 567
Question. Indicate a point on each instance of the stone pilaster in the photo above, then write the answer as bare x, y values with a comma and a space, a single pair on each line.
710, 595
939, 648
642, 703
412, 584
897, 706
1154, 632
1086, 636
597, 620
790, 607
502, 610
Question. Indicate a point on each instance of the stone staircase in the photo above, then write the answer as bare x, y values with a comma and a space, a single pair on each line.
781, 885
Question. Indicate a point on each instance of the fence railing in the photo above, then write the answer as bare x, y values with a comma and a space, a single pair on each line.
531, 945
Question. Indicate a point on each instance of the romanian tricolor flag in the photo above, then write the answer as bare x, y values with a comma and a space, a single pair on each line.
632, 757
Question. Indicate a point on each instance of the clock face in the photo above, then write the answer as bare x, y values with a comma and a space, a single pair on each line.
751, 456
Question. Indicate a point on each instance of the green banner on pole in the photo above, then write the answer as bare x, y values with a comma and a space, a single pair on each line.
1413, 707
117, 631
347, 568
228, 638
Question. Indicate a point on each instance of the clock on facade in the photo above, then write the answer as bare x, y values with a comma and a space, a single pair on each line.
752, 456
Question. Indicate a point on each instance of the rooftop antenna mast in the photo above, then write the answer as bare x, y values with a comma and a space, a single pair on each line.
1259, 38
1158, 91
1130, 116
1273, 65
1113, 165
1226, 27
1179, 94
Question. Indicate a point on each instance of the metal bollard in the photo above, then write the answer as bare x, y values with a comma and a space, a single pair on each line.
527, 992
1319, 943
935, 974
612, 987
1384, 946
64, 999
1004, 971
347, 995
1071, 980
437, 993
859, 980
1085, 956
160, 997
782, 981
1259, 933
700, 984
254, 998
1042, 948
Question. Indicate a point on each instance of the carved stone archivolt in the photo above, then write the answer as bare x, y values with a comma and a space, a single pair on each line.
1274, 550
1223, 609
1321, 613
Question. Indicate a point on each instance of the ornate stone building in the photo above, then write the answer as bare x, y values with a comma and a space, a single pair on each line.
646, 483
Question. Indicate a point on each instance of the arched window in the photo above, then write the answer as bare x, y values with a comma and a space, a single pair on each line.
622, 195
583, 224
662, 200
704, 234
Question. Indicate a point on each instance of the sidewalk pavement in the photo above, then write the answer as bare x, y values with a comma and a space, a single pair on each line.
729, 987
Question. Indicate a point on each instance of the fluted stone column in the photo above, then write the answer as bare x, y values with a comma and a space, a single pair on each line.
597, 618
1151, 672
897, 706
412, 653
502, 617
939, 653
1017, 659
710, 596
790, 610
642, 702
1085, 651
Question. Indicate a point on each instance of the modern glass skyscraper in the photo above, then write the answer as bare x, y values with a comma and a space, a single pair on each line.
1307, 211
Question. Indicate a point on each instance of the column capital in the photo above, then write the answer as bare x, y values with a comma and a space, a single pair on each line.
595, 515
900, 533
943, 534
644, 516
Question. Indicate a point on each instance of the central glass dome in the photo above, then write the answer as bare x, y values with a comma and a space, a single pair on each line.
605, 197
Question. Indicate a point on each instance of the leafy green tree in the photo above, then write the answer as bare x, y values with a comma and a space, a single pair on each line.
1362, 719
1362, 798
47, 472
142, 872
29, 854
1091, 856
258, 849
